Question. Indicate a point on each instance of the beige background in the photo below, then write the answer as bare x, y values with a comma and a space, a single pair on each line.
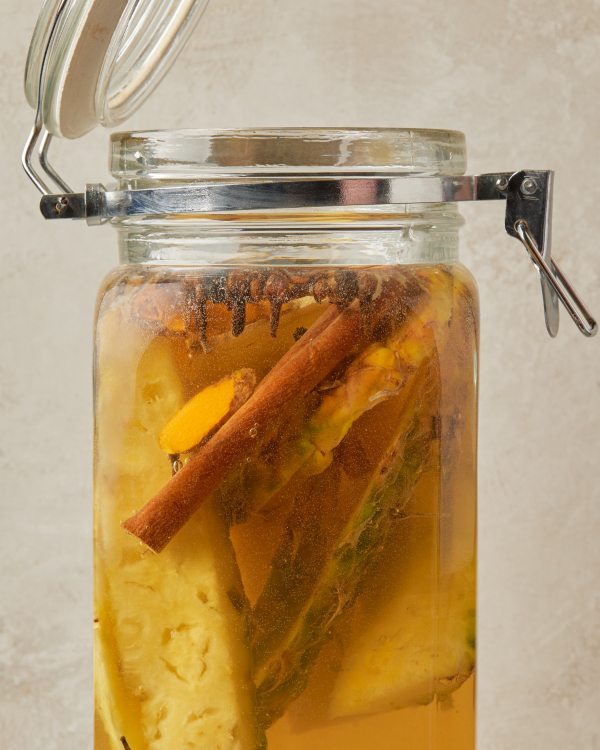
522, 80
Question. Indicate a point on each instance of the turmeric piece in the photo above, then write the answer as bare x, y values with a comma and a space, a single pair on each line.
206, 412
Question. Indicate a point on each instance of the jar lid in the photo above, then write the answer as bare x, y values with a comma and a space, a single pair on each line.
102, 58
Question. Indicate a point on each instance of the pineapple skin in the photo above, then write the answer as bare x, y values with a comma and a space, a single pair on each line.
172, 655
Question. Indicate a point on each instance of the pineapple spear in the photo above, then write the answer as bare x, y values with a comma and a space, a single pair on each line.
282, 674
284, 660
307, 441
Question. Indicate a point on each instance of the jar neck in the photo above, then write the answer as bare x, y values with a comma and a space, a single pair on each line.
418, 233
429, 234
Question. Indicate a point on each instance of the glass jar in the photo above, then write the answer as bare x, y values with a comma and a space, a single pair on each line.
285, 457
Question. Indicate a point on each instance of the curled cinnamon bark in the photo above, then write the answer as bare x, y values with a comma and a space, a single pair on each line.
310, 360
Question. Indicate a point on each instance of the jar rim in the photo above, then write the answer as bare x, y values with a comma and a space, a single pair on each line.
194, 154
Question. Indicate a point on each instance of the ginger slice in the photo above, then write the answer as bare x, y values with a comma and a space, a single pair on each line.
206, 412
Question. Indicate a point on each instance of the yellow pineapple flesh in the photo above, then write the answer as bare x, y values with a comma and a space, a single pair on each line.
173, 661
414, 652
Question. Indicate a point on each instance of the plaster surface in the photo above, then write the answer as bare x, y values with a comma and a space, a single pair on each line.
522, 80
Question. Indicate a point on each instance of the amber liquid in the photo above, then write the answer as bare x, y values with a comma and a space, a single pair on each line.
283, 614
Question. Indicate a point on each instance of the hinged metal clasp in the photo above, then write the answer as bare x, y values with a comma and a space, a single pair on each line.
528, 195
529, 219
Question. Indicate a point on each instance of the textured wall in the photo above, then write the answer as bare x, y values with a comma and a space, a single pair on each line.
522, 80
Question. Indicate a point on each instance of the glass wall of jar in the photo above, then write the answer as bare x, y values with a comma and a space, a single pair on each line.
285, 457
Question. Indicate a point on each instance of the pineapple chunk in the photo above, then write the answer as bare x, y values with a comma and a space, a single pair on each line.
173, 663
178, 628
414, 651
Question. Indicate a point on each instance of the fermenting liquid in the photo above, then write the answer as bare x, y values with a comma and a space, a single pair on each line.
285, 496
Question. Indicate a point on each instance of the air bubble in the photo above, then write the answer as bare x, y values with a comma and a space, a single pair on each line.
254, 431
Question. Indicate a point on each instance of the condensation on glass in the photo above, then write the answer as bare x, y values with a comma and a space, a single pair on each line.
285, 457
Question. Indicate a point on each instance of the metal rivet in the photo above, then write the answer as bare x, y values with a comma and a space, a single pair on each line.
502, 183
528, 186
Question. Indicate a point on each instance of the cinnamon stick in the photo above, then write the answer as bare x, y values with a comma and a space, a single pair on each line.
315, 330
298, 372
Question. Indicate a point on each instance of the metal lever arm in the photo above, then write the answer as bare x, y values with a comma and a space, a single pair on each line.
553, 274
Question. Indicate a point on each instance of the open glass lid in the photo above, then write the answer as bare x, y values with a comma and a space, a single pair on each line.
96, 61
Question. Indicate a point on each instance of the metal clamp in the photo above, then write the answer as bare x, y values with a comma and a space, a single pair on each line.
529, 201
529, 219
528, 195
